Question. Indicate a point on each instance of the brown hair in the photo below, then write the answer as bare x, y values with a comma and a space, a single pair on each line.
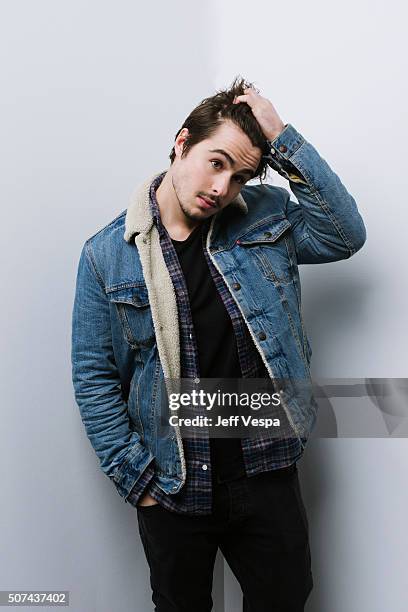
204, 120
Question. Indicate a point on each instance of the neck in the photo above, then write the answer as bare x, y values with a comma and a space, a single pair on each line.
178, 225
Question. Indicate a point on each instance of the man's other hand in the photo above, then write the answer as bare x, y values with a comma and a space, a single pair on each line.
146, 500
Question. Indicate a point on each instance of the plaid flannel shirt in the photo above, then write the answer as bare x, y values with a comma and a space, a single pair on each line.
259, 454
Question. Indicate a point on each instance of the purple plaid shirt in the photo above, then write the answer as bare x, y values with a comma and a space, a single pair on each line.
259, 454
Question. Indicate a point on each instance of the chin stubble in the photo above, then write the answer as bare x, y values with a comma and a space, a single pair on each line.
188, 214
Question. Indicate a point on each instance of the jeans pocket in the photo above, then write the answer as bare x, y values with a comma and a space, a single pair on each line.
147, 509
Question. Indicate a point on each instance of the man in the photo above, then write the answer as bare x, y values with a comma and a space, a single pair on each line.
198, 279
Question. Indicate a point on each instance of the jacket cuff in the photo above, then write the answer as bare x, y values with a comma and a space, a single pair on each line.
286, 143
139, 488
281, 150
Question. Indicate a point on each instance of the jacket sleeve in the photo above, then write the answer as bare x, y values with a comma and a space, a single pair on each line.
97, 385
326, 224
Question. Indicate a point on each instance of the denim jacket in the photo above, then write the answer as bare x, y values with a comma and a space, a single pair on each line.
125, 331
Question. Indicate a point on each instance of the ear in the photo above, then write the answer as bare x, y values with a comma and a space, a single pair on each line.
180, 140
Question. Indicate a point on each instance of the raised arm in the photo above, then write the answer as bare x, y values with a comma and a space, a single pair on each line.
326, 224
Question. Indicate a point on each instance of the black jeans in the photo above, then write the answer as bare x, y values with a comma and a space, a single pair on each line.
260, 525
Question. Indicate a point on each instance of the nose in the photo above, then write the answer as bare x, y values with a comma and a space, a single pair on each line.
220, 186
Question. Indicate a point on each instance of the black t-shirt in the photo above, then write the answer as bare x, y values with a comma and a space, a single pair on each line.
216, 343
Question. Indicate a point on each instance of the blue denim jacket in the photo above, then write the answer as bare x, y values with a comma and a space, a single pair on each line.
125, 330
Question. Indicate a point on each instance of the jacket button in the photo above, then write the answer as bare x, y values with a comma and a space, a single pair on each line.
283, 148
236, 286
262, 335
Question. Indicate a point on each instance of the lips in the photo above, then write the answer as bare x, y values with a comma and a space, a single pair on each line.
207, 203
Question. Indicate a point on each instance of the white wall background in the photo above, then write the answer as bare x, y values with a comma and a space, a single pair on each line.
92, 95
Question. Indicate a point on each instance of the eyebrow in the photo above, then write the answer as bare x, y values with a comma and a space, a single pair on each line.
232, 162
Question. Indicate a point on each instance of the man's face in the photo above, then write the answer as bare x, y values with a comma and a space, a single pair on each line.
215, 169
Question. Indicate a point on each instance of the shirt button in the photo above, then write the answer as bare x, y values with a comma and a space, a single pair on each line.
283, 148
267, 234
262, 335
236, 286
204, 466
272, 151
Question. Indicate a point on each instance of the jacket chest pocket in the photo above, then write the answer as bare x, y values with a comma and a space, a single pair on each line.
271, 249
133, 310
